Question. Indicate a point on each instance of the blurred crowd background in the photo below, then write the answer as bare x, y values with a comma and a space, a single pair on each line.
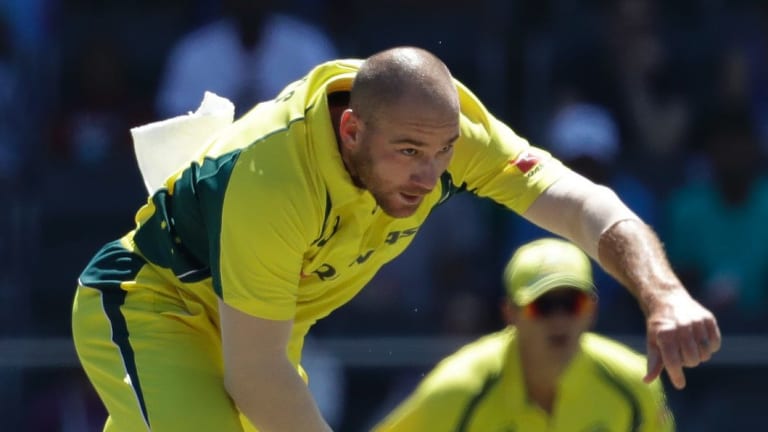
665, 101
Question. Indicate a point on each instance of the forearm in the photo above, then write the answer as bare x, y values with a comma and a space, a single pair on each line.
274, 398
257, 374
631, 252
681, 333
595, 219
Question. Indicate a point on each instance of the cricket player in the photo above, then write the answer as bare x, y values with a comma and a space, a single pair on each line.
194, 320
544, 371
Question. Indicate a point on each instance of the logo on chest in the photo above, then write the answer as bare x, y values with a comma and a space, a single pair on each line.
328, 272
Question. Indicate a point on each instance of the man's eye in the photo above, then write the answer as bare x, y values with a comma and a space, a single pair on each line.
408, 151
446, 149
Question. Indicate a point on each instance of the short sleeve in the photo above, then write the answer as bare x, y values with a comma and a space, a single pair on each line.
265, 219
492, 161
657, 416
429, 408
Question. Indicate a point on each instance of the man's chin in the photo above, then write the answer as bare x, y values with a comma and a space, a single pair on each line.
399, 212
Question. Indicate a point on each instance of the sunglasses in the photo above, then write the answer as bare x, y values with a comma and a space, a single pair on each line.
571, 302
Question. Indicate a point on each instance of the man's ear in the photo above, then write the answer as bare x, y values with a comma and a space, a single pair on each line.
593, 313
509, 311
349, 128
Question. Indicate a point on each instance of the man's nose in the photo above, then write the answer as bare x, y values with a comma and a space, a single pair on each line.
426, 176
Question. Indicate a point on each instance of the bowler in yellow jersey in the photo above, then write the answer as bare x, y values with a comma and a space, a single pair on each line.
544, 372
194, 320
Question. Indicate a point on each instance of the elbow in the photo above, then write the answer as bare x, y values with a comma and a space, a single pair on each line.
240, 383
232, 385
242, 389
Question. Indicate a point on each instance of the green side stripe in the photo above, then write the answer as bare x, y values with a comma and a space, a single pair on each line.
112, 299
475, 401
625, 391
109, 268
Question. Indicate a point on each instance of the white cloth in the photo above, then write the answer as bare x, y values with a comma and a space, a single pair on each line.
213, 58
164, 146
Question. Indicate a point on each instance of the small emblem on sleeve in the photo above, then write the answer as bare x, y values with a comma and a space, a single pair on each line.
525, 162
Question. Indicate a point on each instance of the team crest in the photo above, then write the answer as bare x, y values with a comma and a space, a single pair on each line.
525, 162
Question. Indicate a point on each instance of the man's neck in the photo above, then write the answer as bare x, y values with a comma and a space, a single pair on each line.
541, 376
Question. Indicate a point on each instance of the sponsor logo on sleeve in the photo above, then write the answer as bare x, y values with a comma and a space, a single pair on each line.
527, 162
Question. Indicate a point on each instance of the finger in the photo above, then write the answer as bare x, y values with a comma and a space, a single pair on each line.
655, 365
689, 346
701, 336
713, 333
670, 356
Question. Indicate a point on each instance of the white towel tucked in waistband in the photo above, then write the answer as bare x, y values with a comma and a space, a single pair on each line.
164, 146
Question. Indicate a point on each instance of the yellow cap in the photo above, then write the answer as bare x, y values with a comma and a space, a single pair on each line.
543, 265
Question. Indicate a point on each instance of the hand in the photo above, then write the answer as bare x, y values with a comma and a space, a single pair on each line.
681, 333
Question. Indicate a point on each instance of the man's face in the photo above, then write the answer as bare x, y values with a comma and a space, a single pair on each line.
400, 156
552, 325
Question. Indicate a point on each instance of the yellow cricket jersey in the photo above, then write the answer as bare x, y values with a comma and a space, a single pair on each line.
269, 220
481, 388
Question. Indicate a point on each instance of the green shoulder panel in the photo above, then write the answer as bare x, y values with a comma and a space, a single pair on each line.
110, 267
178, 234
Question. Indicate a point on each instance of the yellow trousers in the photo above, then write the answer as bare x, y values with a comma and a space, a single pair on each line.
154, 359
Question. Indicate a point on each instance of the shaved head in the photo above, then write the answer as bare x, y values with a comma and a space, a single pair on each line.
403, 75
396, 137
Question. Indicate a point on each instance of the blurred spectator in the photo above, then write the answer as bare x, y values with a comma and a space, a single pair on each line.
32, 23
17, 224
716, 233
475, 54
627, 62
65, 402
89, 148
744, 68
585, 137
92, 125
657, 111
247, 56
11, 98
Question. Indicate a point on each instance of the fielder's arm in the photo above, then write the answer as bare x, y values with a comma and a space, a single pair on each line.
680, 331
259, 377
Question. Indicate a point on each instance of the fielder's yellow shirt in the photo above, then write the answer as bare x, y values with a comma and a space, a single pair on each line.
270, 220
480, 388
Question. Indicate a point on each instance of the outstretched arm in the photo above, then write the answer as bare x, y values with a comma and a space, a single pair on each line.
681, 332
259, 377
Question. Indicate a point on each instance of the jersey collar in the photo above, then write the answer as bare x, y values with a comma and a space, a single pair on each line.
323, 140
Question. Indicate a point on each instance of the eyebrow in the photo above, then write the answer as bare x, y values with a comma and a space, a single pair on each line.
418, 143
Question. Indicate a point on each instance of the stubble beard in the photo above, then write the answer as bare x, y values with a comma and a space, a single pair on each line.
363, 176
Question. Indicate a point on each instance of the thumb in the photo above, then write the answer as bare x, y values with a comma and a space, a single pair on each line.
655, 365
